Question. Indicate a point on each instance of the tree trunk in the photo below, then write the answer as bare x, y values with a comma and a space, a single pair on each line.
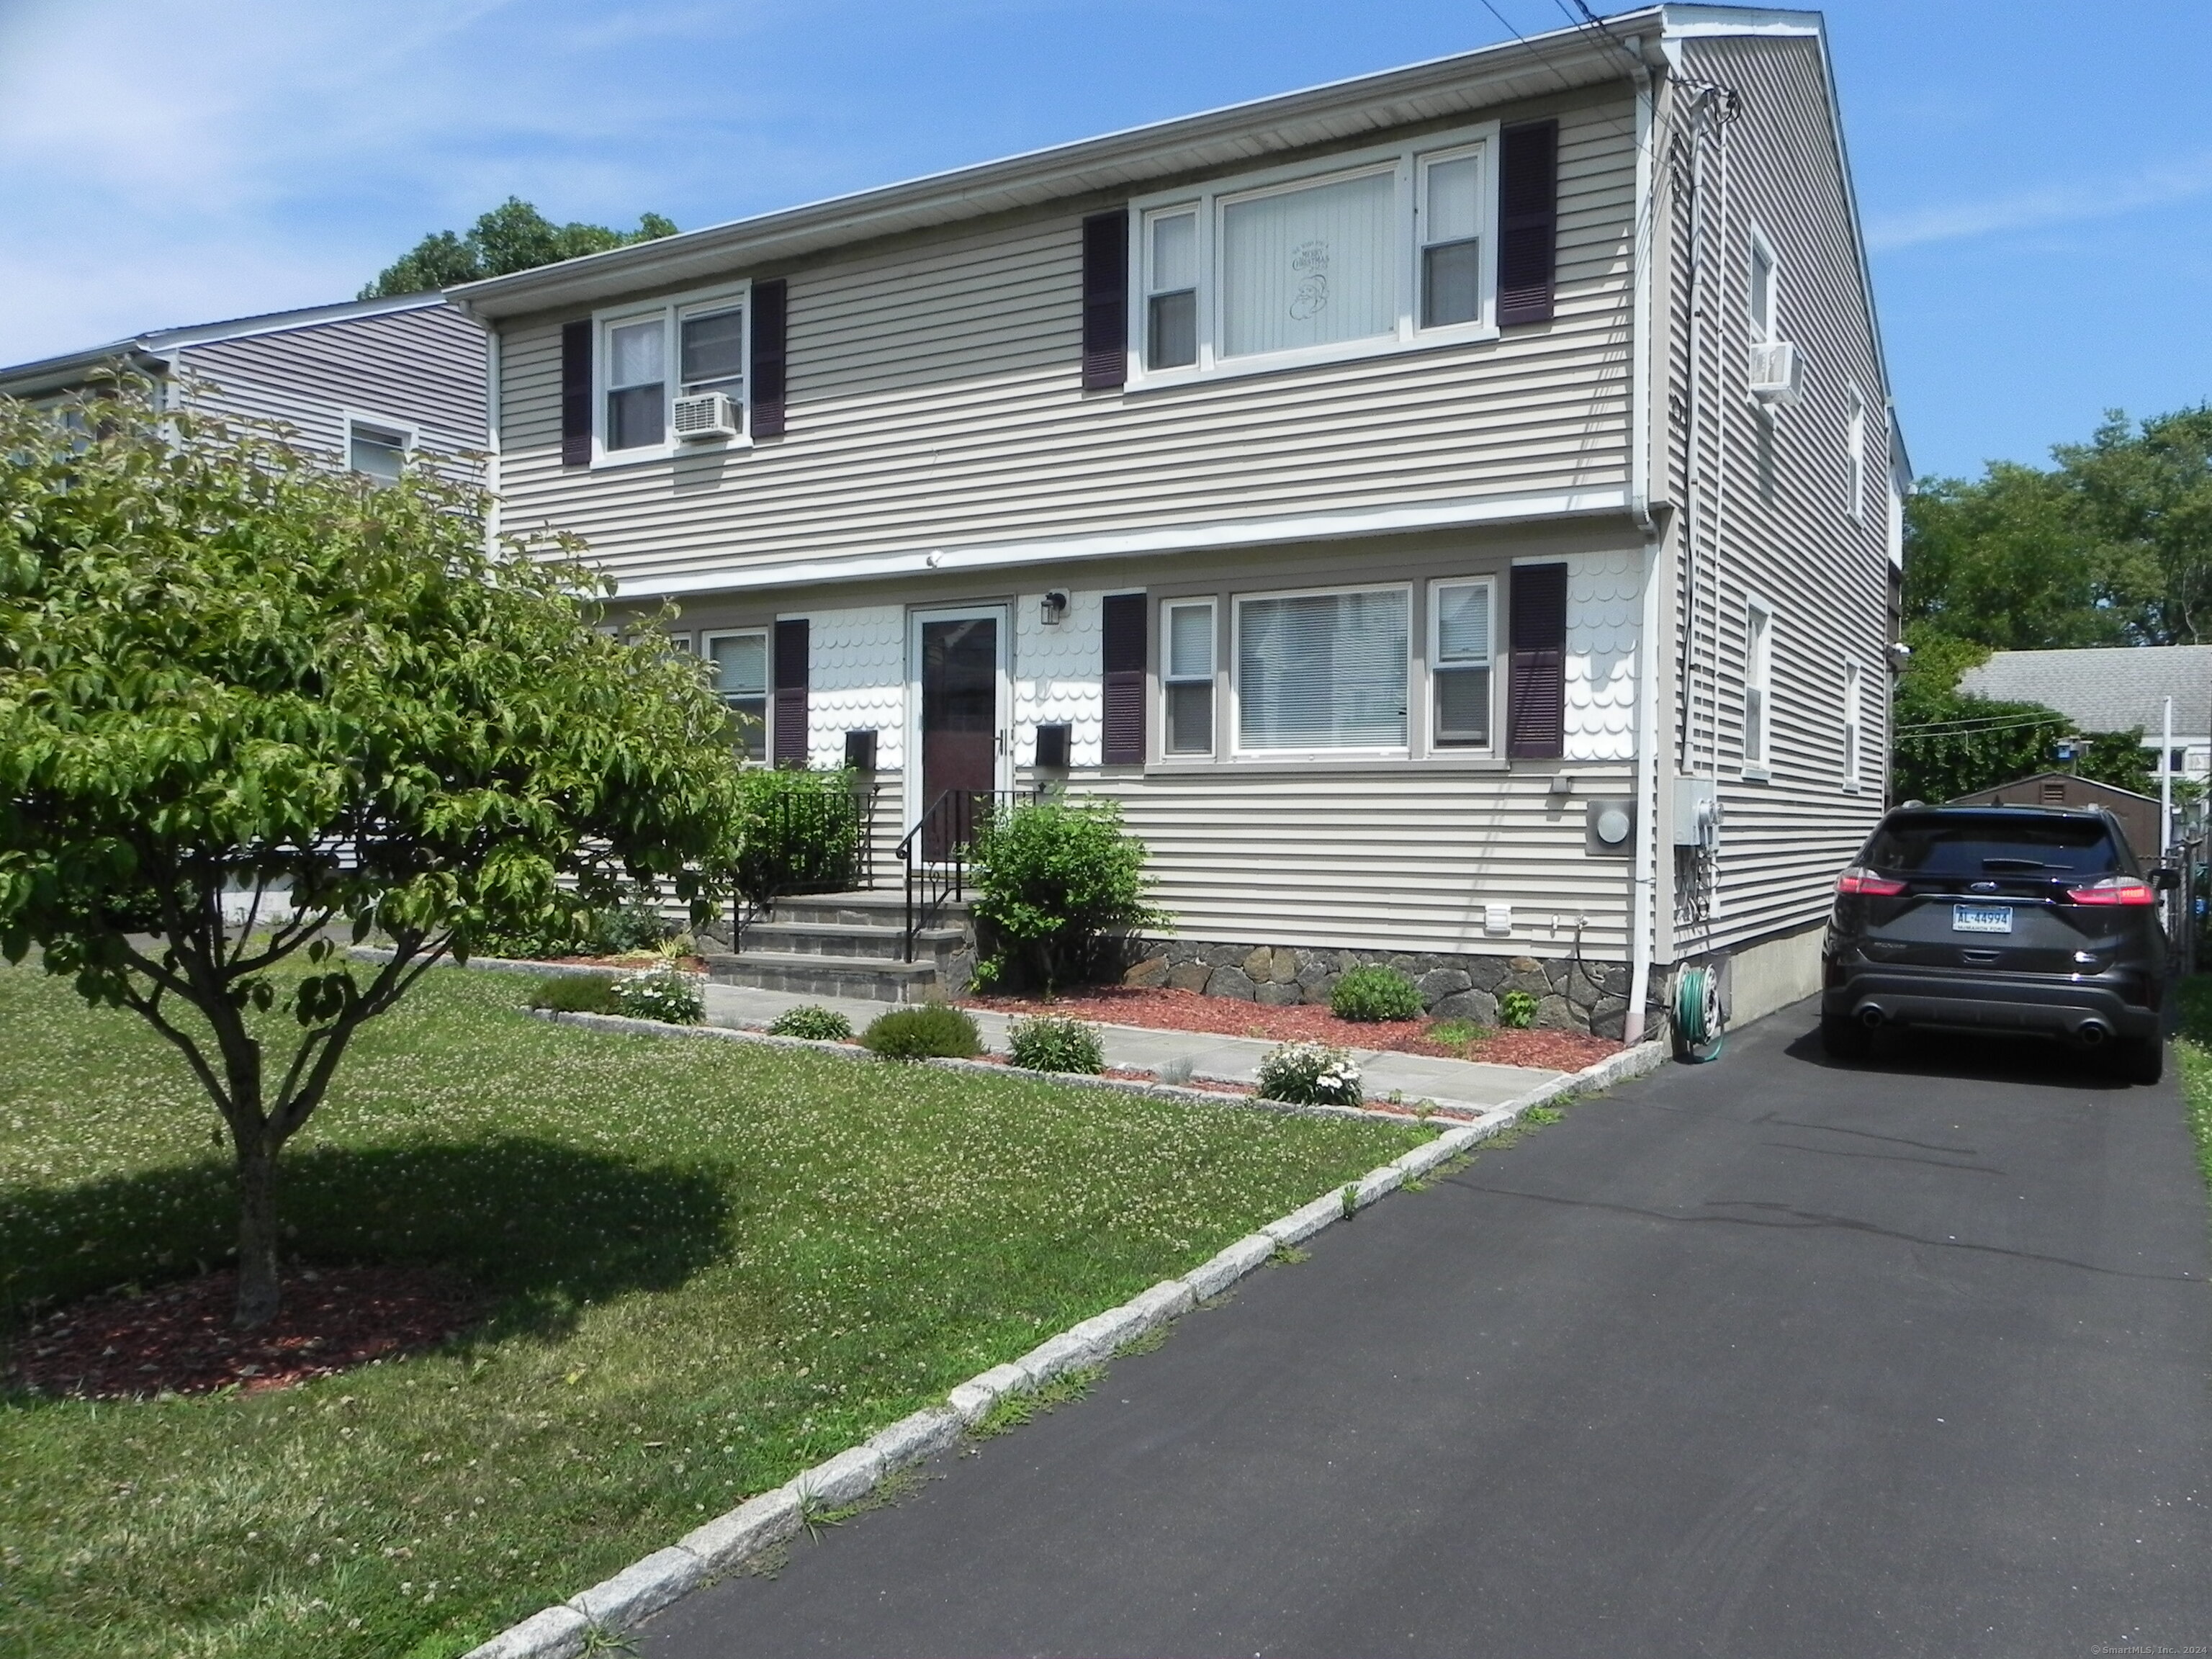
257, 1288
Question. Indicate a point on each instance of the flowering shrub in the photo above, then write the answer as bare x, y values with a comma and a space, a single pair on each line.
667, 994
1050, 1044
1311, 1074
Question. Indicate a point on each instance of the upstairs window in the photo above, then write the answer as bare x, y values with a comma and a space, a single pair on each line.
1854, 458
1765, 293
1379, 251
648, 356
376, 451
1853, 694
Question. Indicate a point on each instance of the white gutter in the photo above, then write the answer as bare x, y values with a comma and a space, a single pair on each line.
1643, 881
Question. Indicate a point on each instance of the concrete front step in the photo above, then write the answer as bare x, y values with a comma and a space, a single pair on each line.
828, 976
883, 907
861, 941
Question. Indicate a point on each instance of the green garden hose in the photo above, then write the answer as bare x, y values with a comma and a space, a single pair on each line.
1698, 1025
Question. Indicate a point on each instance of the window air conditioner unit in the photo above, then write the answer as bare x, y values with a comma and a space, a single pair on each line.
705, 415
1776, 372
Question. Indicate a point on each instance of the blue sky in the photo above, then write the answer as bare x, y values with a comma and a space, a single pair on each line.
2036, 179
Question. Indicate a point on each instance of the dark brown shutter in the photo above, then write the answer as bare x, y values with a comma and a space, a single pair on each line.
576, 393
1536, 700
770, 332
1124, 655
1528, 222
790, 719
1105, 301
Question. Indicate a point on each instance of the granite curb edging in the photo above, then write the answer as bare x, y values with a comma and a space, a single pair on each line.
725, 1544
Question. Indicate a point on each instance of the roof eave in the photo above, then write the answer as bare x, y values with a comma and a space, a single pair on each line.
1563, 60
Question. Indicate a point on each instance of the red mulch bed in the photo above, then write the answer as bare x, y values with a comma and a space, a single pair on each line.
179, 1339
1188, 1011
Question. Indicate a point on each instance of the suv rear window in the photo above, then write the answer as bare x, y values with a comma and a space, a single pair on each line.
1945, 845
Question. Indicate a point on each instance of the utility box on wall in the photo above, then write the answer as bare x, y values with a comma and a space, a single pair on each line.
1697, 813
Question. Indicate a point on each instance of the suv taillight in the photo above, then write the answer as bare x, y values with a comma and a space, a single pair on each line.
1861, 880
2114, 890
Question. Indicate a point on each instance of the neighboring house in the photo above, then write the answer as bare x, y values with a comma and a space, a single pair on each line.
2116, 689
367, 383
1410, 499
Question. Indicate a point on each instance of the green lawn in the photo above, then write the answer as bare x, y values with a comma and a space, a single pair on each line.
714, 1264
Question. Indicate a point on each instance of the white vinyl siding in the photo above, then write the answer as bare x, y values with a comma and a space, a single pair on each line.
1321, 672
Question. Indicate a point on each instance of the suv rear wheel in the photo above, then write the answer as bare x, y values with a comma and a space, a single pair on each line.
1844, 1038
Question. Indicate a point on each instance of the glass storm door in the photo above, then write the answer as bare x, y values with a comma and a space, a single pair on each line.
960, 664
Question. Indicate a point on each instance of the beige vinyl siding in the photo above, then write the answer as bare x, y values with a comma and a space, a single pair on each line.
1823, 575
934, 400
424, 368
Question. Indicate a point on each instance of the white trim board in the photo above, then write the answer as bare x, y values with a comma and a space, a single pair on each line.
1180, 538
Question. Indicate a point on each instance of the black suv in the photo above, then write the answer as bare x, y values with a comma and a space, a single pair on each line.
1996, 918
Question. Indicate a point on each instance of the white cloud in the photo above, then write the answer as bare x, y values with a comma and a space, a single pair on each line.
2035, 210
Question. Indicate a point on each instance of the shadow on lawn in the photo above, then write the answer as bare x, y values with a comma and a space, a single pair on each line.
540, 1226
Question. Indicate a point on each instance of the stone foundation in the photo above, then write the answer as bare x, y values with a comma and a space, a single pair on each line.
1571, 994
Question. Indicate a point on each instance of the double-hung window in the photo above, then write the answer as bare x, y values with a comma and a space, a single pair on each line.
1321, 672
1855, 461
650, 355
1853, 715
1765, 292
740, 663
1460, 656
1187, 675
377, 451
1380, 250
1758, 685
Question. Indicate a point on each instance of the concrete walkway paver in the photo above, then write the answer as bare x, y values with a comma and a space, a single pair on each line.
1411, 1078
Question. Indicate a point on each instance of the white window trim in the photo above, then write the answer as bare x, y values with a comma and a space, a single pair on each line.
1854, 724
766, 635
1758, 670
410, 434
1235, 745
1218, 679
1404, 161
1428, 675
672, 310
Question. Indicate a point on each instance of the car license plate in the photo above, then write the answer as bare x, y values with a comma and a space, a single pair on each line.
1981, 918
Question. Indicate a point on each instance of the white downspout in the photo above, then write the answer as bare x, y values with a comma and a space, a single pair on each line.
1644, 884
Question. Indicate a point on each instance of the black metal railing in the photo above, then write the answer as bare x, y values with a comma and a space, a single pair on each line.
805, 841
935, 854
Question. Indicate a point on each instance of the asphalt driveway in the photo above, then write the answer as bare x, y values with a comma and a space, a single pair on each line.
1761, 1358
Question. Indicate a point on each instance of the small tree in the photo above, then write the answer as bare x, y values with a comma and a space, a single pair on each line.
246, 701
1050, 880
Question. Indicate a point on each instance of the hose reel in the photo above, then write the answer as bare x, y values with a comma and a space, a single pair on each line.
1699, 1020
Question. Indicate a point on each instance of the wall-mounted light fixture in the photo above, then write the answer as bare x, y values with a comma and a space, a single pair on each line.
1053, 608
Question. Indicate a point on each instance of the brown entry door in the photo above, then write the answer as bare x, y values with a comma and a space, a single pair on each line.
960, 725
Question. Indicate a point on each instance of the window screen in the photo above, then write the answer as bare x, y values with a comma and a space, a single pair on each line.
712, 349
1322, 670
1451, 250
377, 451
1171, 291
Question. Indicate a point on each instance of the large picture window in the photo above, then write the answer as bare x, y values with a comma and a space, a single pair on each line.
1375, 252
650, 355
1322, 670
740, 675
